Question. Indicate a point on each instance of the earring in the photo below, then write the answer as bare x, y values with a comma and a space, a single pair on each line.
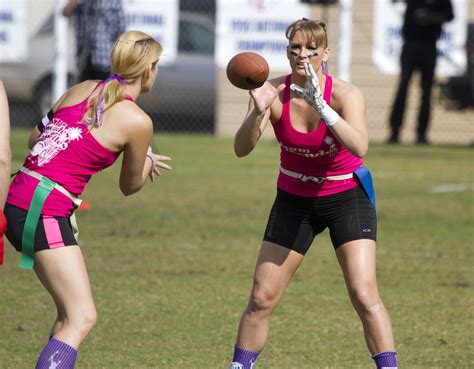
324, 66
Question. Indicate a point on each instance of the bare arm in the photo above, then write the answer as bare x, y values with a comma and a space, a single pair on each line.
250, 131
5, 150
256, 119
69, 8
350, 130
348, 122
139, 162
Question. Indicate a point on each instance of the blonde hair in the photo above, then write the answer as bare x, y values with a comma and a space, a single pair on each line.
313, 31
131, 57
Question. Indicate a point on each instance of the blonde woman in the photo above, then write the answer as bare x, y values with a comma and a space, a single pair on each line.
86, 131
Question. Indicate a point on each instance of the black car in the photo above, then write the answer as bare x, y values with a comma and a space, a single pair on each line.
458, 92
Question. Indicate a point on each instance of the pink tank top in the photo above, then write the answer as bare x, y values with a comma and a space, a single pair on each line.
317, 153
68, 154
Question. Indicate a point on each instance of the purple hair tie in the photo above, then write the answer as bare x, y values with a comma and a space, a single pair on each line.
100, 107
115, 77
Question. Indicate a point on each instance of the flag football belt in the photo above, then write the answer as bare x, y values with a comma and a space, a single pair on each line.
305, 178
42, 191
362, 173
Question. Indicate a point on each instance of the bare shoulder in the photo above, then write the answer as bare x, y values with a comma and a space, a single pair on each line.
342, 90
277, 81
83, 88
76, 94
128, 114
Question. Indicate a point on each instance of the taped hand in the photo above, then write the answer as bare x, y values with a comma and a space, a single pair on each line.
313, 96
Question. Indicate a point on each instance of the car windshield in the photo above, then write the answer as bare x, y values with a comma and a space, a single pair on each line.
195, 38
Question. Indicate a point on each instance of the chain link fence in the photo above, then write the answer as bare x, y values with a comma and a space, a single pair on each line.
187, 93
183, 99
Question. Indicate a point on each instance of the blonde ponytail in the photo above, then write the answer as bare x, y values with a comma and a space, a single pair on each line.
132, 55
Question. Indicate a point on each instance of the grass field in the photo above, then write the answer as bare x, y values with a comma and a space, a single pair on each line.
171, 267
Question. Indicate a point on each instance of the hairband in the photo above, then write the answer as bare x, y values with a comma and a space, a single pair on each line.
100, 107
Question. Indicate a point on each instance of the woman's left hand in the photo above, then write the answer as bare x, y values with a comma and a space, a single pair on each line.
313, 96
158, 162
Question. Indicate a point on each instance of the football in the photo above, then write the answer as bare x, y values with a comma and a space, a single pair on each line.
247, 70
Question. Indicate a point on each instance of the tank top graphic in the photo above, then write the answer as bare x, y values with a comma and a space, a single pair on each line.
317, 153
68, 154
55, 139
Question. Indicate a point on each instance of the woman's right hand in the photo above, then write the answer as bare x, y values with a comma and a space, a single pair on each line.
265, 95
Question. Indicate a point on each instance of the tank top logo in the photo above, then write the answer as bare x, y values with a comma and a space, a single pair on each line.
55, 138
331, 150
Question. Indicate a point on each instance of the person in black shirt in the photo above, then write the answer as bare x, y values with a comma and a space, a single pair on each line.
421, 29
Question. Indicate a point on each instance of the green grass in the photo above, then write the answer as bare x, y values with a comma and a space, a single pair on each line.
171, 267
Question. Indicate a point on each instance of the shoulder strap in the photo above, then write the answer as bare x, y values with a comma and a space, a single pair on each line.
328, 89
287, 91
286, 97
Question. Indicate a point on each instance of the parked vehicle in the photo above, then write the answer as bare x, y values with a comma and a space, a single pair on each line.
183, 99
458, 92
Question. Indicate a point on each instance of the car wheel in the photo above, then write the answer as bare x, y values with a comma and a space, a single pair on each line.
42, 97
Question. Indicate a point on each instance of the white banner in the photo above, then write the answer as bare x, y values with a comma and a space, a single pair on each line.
159, 19
387, 41
258, 26
13, 31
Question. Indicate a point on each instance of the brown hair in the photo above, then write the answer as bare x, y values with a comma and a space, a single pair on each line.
131, 57
313, 31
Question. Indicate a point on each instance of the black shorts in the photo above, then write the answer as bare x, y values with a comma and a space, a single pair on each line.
294, 220
51, 232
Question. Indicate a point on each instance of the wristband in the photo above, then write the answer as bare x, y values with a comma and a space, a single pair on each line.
152, 161
328, 115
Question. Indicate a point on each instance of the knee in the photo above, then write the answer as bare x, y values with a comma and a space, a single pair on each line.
90, 318
262, 300
85, 319
366, 300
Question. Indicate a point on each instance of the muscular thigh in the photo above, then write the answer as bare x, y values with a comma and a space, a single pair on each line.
350, 216
295, 221
275, 267
291, 222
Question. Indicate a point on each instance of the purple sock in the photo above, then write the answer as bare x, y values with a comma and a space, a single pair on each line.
386, 360
57, 355
243, 359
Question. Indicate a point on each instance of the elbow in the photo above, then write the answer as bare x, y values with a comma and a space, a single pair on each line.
240, 153
6, 158
361, 152
361, 148
128, 190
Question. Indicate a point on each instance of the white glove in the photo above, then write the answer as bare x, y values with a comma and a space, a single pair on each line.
312, 95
